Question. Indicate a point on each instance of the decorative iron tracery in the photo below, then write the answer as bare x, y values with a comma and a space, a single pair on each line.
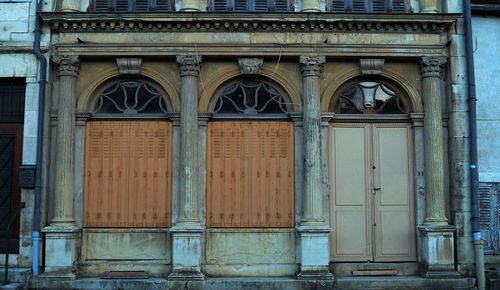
130, 97
250, 97
370, 97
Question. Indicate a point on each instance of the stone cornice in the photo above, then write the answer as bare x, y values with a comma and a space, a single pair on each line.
258, 22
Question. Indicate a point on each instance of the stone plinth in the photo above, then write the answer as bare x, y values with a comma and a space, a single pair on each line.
438, 257
186, 254
62, 249
314, 254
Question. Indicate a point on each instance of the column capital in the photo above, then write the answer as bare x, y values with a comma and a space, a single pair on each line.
189, 64
67, 64
312, 65
431, 66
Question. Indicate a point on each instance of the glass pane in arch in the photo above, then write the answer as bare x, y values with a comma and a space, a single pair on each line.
370, 97
250, 97
130, 97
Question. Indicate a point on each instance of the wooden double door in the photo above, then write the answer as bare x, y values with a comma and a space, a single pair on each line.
372, 212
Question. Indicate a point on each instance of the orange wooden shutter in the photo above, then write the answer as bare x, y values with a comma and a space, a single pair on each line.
127, 174
250, 174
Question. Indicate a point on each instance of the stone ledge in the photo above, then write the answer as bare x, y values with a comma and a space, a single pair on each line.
212, 283
272, 22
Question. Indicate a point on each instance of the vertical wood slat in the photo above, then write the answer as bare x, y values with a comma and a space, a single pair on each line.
127, 174
250, 174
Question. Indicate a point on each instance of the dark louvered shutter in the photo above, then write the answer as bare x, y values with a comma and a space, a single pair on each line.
163, 5
121, 5
338, 6
241, 5
220, 5
399, 6
380, 6
282, 5
489, 216
260, 5
141, 5
102, 5
359, 6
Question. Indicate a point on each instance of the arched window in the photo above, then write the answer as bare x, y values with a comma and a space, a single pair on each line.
370, 97
128, 157
130, 97
250, 97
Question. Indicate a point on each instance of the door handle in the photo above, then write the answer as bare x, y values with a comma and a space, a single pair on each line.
377, 188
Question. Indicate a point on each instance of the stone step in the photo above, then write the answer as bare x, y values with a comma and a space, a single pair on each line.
12, 286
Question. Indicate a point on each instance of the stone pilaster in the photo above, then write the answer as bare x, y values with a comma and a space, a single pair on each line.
62, 236
313, 230
437, 236
187, 232
429, 6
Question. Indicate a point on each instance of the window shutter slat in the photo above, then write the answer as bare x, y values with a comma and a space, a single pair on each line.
379, 6
282, 6
260, 6
163, 5
399, 6
240, 6
338, 6
359, 6
487, 206
141, 5
220, 5
121, 6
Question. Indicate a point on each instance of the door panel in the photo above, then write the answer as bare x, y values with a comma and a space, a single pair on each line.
10, 160
372, 198
394, 230
350, 181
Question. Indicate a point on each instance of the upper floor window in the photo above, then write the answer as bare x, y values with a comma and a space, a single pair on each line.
132, 5
250, 5
369, 6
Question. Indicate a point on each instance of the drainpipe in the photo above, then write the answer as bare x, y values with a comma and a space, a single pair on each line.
42, 79
476, 230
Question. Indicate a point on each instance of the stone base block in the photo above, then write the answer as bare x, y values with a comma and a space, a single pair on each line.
186, 254
62, 247
314, 254
438, 260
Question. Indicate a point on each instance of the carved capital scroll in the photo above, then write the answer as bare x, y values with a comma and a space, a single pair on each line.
431, 66
67, 65
312, 65
189, 65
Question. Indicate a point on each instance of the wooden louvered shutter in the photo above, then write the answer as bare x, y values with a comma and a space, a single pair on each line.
241, 5
399, 6
141, 5
250, 174
221, 5
127, 174
338, 5
103, 5
282, 5
359, 6
163, 5
488, 217
380, 6
261, 5
121, 5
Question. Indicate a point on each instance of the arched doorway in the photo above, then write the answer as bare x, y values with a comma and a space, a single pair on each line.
128, 157
371, 173
250, 159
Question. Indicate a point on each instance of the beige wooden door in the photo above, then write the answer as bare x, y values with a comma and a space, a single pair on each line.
372, 197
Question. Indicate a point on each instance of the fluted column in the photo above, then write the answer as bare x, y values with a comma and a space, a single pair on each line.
313, 229
437, 242
190, 69
65, 141
62, 237
312, 69
433, 132
187, 232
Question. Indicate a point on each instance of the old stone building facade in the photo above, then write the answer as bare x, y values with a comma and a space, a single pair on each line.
319, 140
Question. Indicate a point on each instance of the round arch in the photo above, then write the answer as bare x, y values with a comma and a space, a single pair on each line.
209, 93
331, 93
88, 95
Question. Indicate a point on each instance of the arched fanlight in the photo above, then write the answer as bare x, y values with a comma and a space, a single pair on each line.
130, 97
370, 97
250, 97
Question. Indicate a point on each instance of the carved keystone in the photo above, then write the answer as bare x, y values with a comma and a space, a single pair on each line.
250, 66
129, 66
371, 66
